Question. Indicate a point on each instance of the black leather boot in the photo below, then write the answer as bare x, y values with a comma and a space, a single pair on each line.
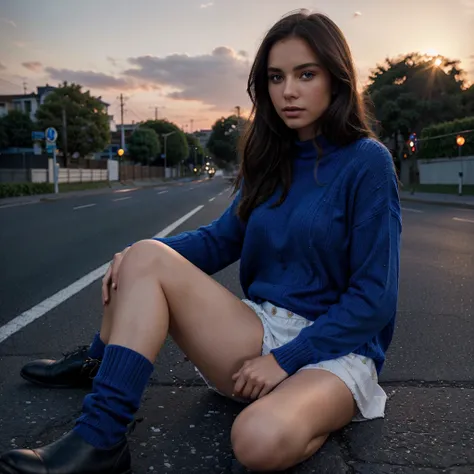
75, 370
69, 455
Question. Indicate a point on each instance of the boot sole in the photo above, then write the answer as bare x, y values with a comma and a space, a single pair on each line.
51, 385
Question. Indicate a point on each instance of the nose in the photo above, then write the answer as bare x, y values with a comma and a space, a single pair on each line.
291, 89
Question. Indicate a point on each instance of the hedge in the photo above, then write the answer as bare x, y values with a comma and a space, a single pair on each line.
446, 146
25, 189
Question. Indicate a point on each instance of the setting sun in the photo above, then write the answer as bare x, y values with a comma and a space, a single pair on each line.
438, 62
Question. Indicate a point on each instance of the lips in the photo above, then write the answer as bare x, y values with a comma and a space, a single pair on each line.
292, 112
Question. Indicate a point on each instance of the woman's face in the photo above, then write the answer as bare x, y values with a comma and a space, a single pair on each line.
299, 86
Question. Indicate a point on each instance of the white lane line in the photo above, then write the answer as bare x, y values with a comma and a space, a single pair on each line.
84, 206
4, 206
162, 192
122, 199
175, 224
212, 199
32, 314
409, 209
463, 220
125, 190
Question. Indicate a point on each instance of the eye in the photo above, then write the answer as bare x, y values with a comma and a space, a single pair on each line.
275, 78
308, 75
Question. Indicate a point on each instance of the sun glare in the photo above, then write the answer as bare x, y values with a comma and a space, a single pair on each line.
432, 52
438, 62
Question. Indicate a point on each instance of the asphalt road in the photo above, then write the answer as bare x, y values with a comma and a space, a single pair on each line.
429, 375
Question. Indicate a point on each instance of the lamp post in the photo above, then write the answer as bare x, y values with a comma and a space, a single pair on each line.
460, 141
120, 153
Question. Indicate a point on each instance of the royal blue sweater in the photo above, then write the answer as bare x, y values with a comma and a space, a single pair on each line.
329, 253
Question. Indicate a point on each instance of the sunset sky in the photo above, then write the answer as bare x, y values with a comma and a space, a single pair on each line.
191, 58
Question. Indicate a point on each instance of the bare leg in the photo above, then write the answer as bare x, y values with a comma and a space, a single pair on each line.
159, 292
107, 318
290, 424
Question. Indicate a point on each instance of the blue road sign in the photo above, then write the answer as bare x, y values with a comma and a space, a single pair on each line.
37, 136
51, 134
50, 147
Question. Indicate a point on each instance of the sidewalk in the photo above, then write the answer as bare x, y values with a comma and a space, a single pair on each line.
466, 202
114, 185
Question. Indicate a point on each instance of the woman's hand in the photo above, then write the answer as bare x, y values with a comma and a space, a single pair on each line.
109, 282
258, 377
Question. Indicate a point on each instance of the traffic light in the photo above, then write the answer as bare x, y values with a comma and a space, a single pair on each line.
413, 142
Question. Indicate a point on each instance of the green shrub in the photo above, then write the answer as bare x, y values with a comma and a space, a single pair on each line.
446, 146
24, 189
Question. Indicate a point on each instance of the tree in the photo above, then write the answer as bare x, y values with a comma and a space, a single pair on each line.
3, 136
468, 101
195, 149
87, 122
223, 141
176, 145
414, 91
144, 145
17, 127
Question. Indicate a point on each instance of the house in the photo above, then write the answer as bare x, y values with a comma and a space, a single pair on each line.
29, 103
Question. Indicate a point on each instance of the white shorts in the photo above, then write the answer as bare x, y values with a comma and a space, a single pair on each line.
356, 371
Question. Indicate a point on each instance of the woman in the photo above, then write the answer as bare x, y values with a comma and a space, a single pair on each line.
316, 224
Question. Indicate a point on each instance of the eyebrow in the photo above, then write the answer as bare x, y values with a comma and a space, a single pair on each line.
296, 68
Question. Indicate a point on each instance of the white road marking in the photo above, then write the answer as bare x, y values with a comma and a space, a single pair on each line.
463, 220
84, 206
212, 199
32, 314
409, 209
162, 192
122, 199
125, 190
18, 204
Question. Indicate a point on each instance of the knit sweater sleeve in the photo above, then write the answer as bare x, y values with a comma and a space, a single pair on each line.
215, 246
370, 301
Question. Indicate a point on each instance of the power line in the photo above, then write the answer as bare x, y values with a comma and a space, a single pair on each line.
445, 135
9, 82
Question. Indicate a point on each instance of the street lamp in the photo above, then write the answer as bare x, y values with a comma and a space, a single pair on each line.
460, 141
165, 136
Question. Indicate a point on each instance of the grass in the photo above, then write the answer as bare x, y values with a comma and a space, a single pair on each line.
68, 187
467, 190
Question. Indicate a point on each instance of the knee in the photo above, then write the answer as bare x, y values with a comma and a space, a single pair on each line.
260, 443
143, 256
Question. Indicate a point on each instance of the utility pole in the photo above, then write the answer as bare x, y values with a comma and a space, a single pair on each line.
64, 134
24, 87
157, 110
122, 135
192, 121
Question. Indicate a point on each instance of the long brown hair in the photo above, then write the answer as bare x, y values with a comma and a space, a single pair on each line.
268, 144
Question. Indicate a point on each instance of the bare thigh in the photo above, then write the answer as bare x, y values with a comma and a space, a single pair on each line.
291, 423
214, 328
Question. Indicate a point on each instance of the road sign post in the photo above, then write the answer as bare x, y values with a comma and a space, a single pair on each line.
51, 136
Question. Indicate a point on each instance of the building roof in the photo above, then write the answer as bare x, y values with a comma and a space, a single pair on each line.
12, 97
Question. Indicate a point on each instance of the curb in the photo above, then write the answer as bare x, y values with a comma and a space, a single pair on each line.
462, 205
24, 200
